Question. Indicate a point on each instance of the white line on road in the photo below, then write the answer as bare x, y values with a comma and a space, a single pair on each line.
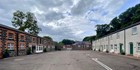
18, 59
88, 54
103, 65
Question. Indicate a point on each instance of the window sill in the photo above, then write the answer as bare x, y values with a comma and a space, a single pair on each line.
134, 33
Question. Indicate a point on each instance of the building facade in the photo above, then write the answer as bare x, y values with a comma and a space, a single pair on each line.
14, 42
124, 41
81, 46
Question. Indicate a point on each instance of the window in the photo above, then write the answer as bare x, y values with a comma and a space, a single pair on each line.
104, 46
0, 32
21, 46
79, 46
33, 40
115, 46
10, 36
22, 37
40, 41
117, 36
138, 46
134, 30
39, 48
111, 46
10, 46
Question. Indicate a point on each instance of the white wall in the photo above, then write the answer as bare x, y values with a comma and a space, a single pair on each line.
106, 42
115, 40
134, 38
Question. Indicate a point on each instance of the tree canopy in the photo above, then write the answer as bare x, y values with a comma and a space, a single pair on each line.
130, 16
48, 37
68, 42
25, 21
89, 38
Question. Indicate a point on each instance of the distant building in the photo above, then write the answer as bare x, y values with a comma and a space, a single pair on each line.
81, 46
67, 47
49, 44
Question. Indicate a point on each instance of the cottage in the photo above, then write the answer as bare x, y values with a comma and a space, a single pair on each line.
132, 36
14, 42
21, 43
8, 41
124, 41
39, 47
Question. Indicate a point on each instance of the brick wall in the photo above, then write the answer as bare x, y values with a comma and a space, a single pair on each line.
22, 44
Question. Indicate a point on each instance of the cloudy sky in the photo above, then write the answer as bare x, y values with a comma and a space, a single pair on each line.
66, 19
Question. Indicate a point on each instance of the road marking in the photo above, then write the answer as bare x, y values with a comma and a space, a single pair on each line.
103, 65
18, 59
88, 54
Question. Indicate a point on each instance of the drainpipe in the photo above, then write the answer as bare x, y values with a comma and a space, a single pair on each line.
124, 41
108, 43
17, 38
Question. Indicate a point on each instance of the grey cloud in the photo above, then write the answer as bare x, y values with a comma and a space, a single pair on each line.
83, 6
58, 34
54, 3
54, 16
66, 9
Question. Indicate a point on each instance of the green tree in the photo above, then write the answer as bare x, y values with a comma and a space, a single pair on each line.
58, 46
89, 38
25, 21
102, 30
68, 42
115, 24
130, 16
18, 20
48, 37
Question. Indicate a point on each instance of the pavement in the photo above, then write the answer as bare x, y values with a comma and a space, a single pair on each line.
70, 60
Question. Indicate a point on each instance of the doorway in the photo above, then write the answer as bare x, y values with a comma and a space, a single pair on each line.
33, 49
121, 50
131, 48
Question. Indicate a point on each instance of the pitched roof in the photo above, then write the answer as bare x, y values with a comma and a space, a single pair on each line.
7, 27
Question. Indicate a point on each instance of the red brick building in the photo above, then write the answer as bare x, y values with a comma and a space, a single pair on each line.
17, 42
10, 42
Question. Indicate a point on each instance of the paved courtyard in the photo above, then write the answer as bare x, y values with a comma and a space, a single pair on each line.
70, 60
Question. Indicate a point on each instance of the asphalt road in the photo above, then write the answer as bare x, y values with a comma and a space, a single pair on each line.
70, 60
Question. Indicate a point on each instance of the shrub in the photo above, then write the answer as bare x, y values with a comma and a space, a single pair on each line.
123, 53
99, 50
6, 53
44, 50
107, 51
28, 51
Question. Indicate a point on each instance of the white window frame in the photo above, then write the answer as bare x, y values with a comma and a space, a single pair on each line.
10, 46
10, 37
134, 30
138, 46
22, 46
118, 35
115, 46
112, 47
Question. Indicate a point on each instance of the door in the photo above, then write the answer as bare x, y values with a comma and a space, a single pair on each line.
131, 48
121, 51
33, 49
